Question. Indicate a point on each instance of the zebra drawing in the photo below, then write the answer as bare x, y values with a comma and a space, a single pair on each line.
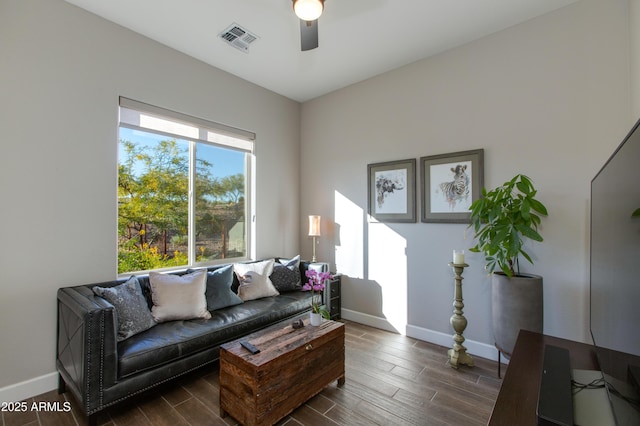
458, 189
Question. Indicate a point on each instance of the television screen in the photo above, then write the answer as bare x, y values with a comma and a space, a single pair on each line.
615, 276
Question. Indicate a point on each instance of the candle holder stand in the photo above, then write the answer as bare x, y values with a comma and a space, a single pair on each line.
458, 354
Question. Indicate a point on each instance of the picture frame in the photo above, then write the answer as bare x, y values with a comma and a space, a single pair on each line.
450, 184
392, 191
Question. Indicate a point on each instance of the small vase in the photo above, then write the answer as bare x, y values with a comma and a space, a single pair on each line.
315, 318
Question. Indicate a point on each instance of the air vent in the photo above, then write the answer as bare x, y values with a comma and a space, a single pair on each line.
238, 37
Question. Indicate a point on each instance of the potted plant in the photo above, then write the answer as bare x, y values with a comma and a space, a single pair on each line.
316, 286
503, 219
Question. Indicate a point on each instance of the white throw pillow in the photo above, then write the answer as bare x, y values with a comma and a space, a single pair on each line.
178, 297
254, 280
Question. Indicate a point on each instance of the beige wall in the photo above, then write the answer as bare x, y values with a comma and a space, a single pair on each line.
549, 98
61, 72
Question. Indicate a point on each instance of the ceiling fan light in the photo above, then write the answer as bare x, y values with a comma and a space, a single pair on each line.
308, 10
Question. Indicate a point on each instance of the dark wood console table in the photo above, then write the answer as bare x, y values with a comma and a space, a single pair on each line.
518, 397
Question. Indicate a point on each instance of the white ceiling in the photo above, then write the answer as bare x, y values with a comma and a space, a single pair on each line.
358, 38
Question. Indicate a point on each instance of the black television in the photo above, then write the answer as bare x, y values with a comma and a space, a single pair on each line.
615, 277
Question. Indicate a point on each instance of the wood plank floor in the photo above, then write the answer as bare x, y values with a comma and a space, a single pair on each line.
390, 380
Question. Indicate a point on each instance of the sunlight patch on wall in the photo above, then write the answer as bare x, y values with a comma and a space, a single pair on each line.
375, 254
387, 260
349, 219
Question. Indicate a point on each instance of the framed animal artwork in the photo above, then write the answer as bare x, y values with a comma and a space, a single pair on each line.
392, 191
450, 183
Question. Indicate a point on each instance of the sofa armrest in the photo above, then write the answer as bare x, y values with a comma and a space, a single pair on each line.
86, 345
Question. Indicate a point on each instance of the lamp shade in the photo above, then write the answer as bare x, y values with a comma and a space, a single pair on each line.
314, 226
308, 10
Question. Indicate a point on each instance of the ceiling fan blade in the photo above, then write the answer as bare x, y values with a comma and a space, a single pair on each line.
308, 34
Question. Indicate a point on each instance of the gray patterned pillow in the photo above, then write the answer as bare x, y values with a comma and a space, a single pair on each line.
131, 307
286, 275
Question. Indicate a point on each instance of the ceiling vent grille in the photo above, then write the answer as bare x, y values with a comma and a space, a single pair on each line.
238, 37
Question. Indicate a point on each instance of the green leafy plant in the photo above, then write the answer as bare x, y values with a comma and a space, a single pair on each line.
502, 218
132, 258
636, 213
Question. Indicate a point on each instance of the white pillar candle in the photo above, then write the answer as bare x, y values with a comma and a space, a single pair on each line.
458, 257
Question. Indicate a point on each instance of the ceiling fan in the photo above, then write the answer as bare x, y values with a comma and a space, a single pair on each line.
308, 11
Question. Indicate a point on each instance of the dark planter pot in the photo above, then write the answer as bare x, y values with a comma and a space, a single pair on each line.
516, 304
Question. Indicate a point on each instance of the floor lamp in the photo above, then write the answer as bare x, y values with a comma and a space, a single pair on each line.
314, 231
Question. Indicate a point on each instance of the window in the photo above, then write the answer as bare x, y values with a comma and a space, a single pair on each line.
183, 189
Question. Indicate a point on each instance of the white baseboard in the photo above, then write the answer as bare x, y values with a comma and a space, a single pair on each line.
370, 320
479, 349
29, 388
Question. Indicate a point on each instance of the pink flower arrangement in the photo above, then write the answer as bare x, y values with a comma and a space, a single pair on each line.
316, 286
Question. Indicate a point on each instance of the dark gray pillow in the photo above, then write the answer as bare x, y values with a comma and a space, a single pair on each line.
286, 275
131, 307
219, 294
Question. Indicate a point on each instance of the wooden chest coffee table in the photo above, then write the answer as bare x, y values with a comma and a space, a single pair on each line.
293, 365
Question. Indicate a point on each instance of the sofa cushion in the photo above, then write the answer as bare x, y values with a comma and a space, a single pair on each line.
219, 294
286, 275
178, 297
170, 341
254, 280
130, 305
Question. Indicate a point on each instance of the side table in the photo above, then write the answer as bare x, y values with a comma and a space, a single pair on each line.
331, 297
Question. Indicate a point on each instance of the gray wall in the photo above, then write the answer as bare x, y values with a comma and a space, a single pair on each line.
549, 98
61, 72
